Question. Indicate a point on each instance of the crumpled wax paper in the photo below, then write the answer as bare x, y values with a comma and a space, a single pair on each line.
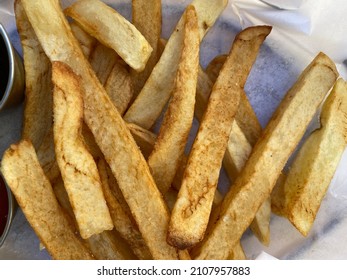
300, 30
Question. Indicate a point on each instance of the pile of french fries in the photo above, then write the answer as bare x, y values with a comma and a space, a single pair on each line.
95, 181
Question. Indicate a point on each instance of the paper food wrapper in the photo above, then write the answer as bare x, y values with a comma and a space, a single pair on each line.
301, 29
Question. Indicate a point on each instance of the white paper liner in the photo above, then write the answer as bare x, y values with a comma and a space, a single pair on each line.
300, 30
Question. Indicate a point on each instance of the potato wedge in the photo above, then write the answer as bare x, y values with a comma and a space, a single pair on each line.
314, 166
36, 198
112, 30
268, 158
110, 131
76, 164
174, 130
159, 85
192, 209
86, 41
37, 119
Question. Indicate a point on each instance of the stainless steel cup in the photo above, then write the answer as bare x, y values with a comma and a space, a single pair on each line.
11, 73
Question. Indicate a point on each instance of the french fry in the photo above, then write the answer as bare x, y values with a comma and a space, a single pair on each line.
213, 68
107, 245
177, 122
76, 164
268, 158
112, 30
144, 138
37, 119
86, 41
147, 18
26, 180
315, 164
109, 129
191, 212
123, 224
159, 84
119, 86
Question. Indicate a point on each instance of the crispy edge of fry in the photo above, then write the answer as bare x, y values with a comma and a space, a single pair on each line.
112, 30
147, 18
191, 212
175, 127
269, 157
159, 84
36, 198
37, 117
76, 164
109, 130
315, 164
123, 224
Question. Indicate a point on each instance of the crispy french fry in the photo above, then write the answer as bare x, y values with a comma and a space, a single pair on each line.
314, 166
191, 212
268, 158
119, 86
36, 198
112, 30
109, 129
86, 41
77, 166
37, 119
277, 196
123, 224
146, 16
159, 85
237, 253
177, 122
213, 68
107, 245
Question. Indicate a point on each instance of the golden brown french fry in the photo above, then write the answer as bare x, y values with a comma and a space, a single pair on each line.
76, 164
315, 164
37, 119
36, 198
237, 252
191, 212
86, 41
109, 130
268, 158
277, 196
119, 86
159, 85
213, 68
146, 16
177, 122
107, 245
123, 224
112, 30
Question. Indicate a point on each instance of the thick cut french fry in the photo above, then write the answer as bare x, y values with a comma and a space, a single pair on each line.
177, 122
37, 119
123, 224
144, 138
159, 85
314, 166
76, 164
119, 86
86, 41
213, 68
112, 30
193, 206
110, 131
146, 16
36, 198
268, 158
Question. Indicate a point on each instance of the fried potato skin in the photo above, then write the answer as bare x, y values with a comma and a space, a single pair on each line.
26, 179
269, 157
